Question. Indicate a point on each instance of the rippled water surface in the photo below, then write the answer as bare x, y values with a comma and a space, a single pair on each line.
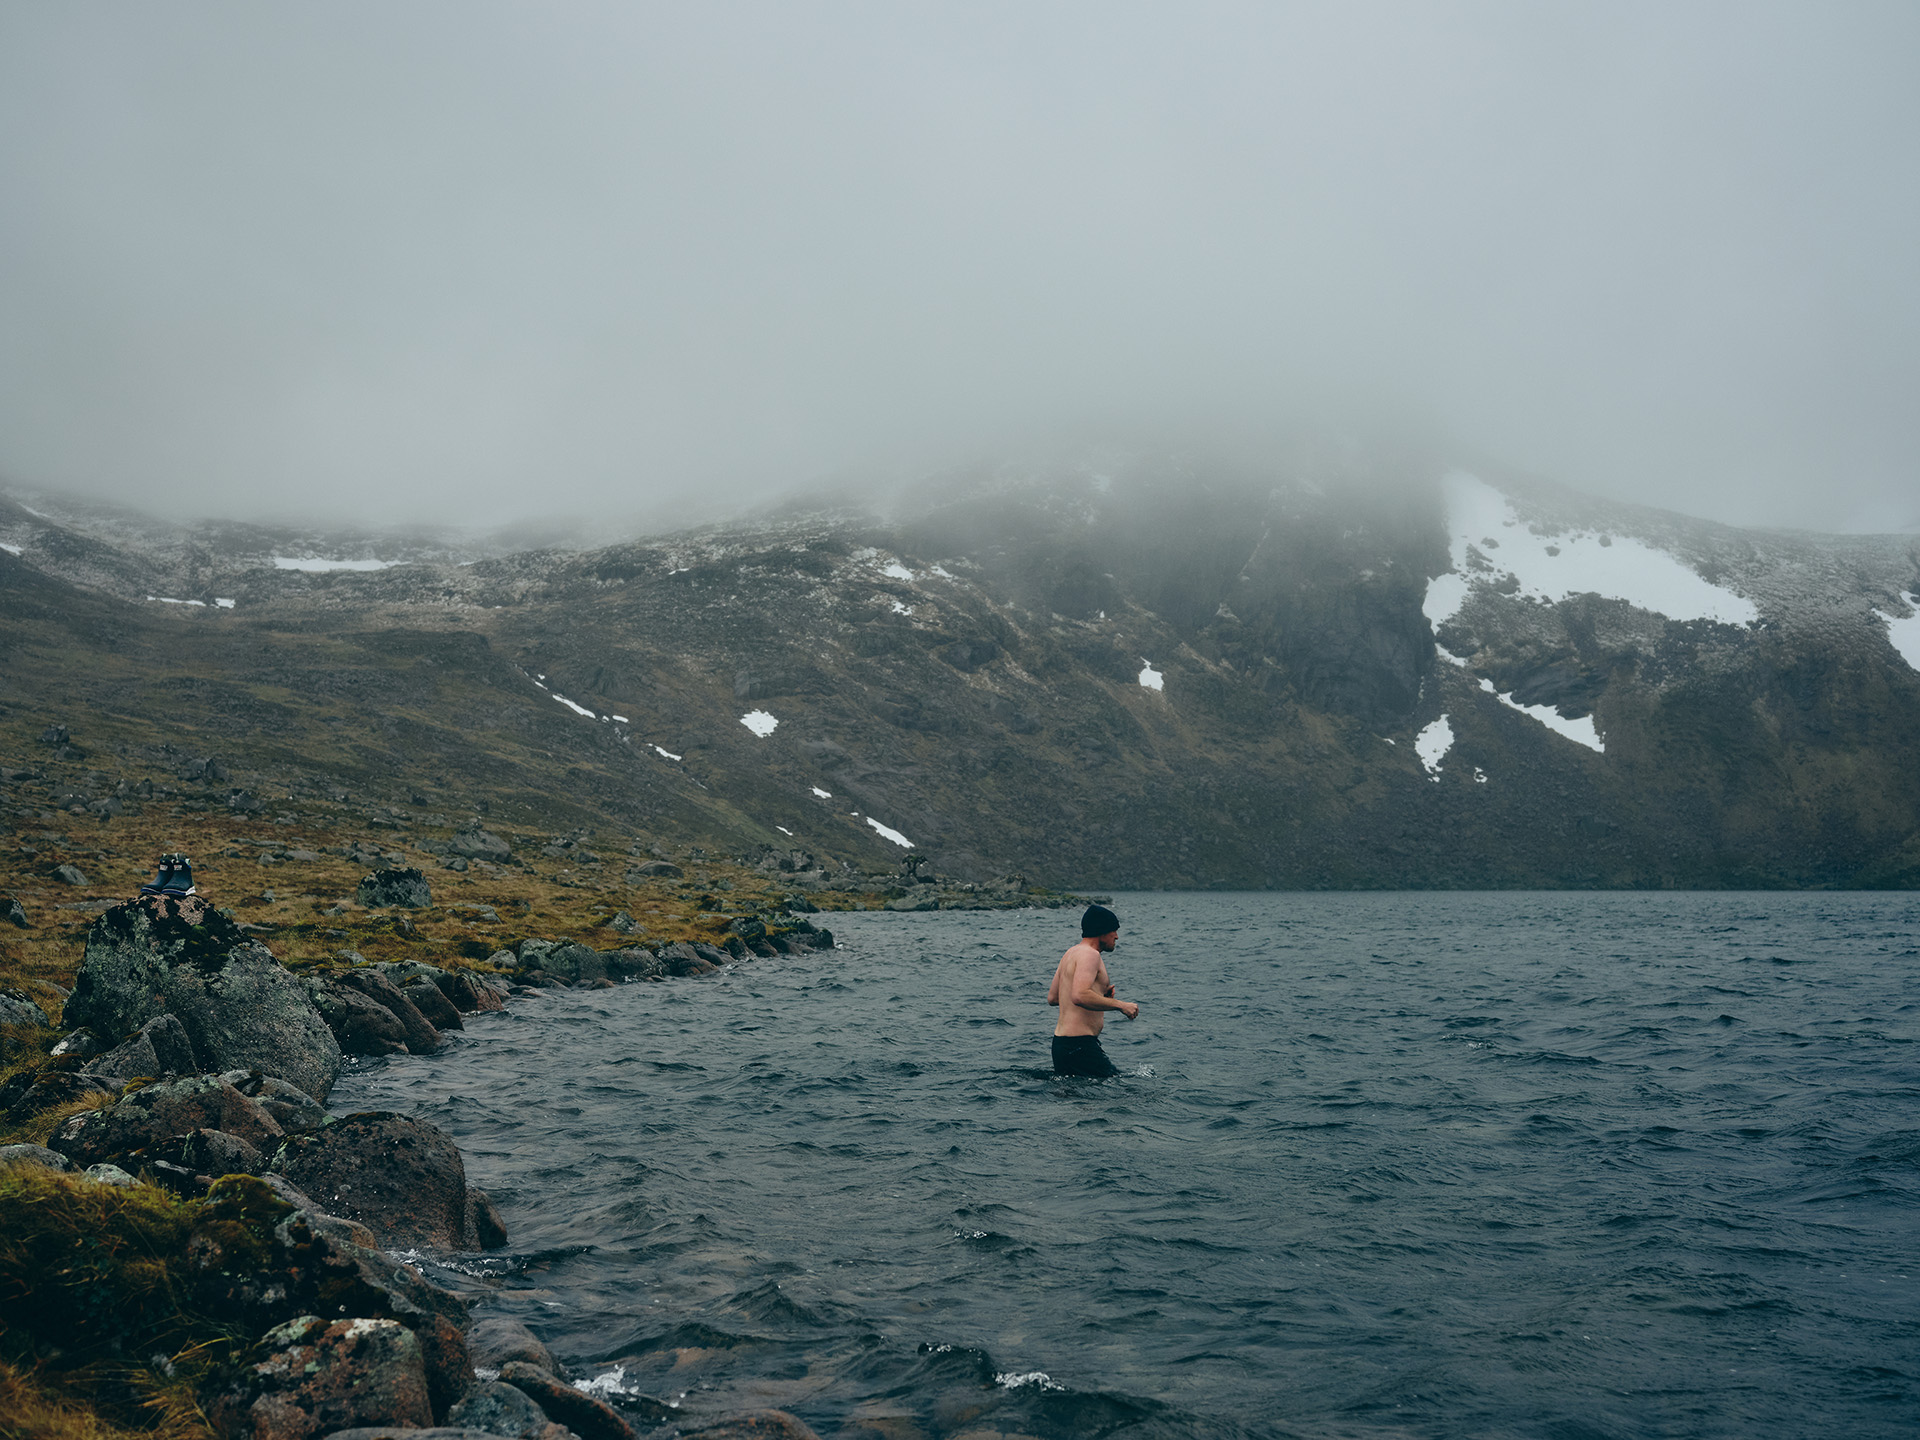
1411, 1164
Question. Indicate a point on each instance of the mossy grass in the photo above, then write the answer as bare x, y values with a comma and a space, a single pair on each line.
100, 1332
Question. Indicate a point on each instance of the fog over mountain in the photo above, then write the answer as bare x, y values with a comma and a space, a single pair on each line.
638, 265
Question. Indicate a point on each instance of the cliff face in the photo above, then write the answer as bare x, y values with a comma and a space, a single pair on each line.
1159, 678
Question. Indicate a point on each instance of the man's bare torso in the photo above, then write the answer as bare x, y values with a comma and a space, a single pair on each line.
1081, 966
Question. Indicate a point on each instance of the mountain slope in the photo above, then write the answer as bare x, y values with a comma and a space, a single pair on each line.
1162, 675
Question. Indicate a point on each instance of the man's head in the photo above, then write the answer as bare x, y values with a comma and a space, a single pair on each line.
1101, 926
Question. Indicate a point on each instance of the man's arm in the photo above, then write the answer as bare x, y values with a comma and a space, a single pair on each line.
1090, 994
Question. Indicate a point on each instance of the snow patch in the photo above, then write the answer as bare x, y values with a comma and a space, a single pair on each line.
784, 831
620, 719
943, 572
10, 549
887, 832
577, 709
169, 600
1553, 567
1581, 731
900, 609
667, 754
1151, 678
1479, 776
760, 723
223, 604
1432, 745
1904, 634
896, 571
823, 794
314, 565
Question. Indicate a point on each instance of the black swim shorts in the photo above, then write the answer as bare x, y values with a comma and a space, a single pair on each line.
1081, 1055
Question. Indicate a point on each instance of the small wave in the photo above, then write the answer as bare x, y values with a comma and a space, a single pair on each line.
1038, 1379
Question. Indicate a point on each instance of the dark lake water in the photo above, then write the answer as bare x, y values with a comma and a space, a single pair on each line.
1539, 1165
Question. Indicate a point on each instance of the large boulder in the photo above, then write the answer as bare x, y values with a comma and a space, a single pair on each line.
155, 1114
481, 845
566, 960
401, 886
429, 1000
360, 1026
292, 1109
159, 1047
422, 1037
681, 958
656, 869
401, 1178
240, 1007
36, 1155
33, 1092
320, 1376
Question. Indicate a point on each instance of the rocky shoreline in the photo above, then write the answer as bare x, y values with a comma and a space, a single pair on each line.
196, 1070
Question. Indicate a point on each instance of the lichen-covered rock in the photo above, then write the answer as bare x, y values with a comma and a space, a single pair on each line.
321, 1376
18, 1008
401, 1178
400, 886
588, 1416
240, 1007
422, 1038
634, 962
500, 1409
159, 1047
259, 1260
161, 1112
33, 1155
32, 1092
566, 960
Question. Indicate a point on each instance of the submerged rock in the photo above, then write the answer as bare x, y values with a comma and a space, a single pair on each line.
588, 1416
401, 1178
756, 1425
240, 1007
496, 1339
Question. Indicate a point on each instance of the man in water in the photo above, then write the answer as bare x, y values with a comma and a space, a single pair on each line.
1084, 992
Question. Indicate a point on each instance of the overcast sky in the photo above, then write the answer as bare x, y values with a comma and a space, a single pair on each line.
468, 262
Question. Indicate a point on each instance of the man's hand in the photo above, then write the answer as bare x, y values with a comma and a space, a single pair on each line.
1127, 1008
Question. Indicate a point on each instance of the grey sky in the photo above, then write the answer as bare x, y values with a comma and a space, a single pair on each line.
468, 262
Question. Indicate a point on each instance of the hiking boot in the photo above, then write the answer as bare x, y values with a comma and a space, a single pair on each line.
179, 881
158, 885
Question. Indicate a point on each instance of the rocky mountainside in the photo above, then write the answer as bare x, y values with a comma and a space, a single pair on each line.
1159, 674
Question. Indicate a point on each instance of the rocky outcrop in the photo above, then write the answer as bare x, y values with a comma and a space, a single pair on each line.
402, 1179
421, 1036
240, 1008
33, 1155
360, 1026
405, 887
433, 1004
129, 1132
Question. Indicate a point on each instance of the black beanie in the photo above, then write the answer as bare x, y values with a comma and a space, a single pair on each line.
1098, 921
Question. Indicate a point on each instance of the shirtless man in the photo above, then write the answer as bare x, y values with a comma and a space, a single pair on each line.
1084, 993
